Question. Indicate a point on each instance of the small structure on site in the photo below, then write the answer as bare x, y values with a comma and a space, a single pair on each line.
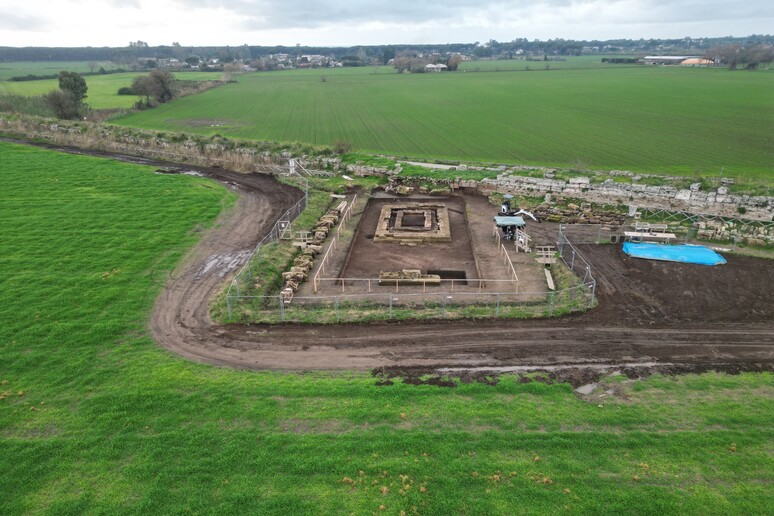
413, 224
645, 232
508, 225
408, 277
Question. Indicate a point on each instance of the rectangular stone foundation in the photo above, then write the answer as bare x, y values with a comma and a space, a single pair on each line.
391, 227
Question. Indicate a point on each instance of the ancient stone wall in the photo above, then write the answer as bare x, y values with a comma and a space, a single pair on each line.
715, 202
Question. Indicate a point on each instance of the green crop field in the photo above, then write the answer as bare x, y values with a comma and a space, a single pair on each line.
22, 68
650, 119
95, 418
103, 89
503, 65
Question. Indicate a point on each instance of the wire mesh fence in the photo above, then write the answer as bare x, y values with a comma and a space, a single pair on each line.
404, 305
363, 299
282, 229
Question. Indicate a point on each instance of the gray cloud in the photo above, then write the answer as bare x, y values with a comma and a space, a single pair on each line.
9, 21
304, 14
355, 22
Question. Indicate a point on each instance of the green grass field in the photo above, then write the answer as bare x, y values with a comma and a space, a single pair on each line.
95, 418
103, 89
650, 119
22, 68
503, 65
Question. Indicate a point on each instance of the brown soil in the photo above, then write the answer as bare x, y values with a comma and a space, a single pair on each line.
651, 314
368, 257
472, 254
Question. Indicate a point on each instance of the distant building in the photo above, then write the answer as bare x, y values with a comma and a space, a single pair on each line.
436, 67
666, 60
697, 61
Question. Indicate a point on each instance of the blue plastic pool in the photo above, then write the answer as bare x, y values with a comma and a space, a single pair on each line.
684, 253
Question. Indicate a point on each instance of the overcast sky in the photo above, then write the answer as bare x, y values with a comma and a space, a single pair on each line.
72, 23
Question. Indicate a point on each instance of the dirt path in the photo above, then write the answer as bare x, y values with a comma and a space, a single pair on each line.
649, 312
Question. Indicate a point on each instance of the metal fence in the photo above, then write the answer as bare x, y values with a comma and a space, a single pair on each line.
282, 229
417, 305
575, 260
453, 299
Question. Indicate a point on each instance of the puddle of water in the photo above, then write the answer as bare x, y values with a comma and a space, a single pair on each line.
587, 389
223, 263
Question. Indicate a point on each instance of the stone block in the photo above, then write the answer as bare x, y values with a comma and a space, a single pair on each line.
683, 195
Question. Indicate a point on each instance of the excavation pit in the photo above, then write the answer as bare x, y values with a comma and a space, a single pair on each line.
459, 277
413, 223
404, 233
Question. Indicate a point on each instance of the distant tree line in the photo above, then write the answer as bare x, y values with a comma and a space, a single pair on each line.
749, 57
374, 54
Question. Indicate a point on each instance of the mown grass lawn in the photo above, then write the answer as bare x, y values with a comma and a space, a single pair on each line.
95, 418
651, 119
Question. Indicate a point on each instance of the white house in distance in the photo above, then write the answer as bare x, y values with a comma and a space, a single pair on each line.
436, 67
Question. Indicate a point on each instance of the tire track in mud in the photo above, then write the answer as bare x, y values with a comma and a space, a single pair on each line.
648, 313
623, 329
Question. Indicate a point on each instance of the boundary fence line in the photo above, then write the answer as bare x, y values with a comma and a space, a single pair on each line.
577, 263
426, 304
281, 226
504, 252
455, 285
345, 217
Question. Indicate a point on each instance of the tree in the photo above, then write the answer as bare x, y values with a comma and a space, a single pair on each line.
158, 85
63, 103
67, 101
74, 83
389, 53
229, 70
453, 62
750, 56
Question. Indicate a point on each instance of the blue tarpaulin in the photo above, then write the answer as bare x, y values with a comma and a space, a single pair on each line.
685, 253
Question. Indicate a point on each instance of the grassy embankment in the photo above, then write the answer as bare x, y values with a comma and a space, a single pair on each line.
95, 418
648, 119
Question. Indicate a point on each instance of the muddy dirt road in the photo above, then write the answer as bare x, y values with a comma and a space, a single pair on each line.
692, 317
649, 313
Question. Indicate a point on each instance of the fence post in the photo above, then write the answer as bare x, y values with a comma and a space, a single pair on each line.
551, 306
497, 309
593, 292
572, 263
